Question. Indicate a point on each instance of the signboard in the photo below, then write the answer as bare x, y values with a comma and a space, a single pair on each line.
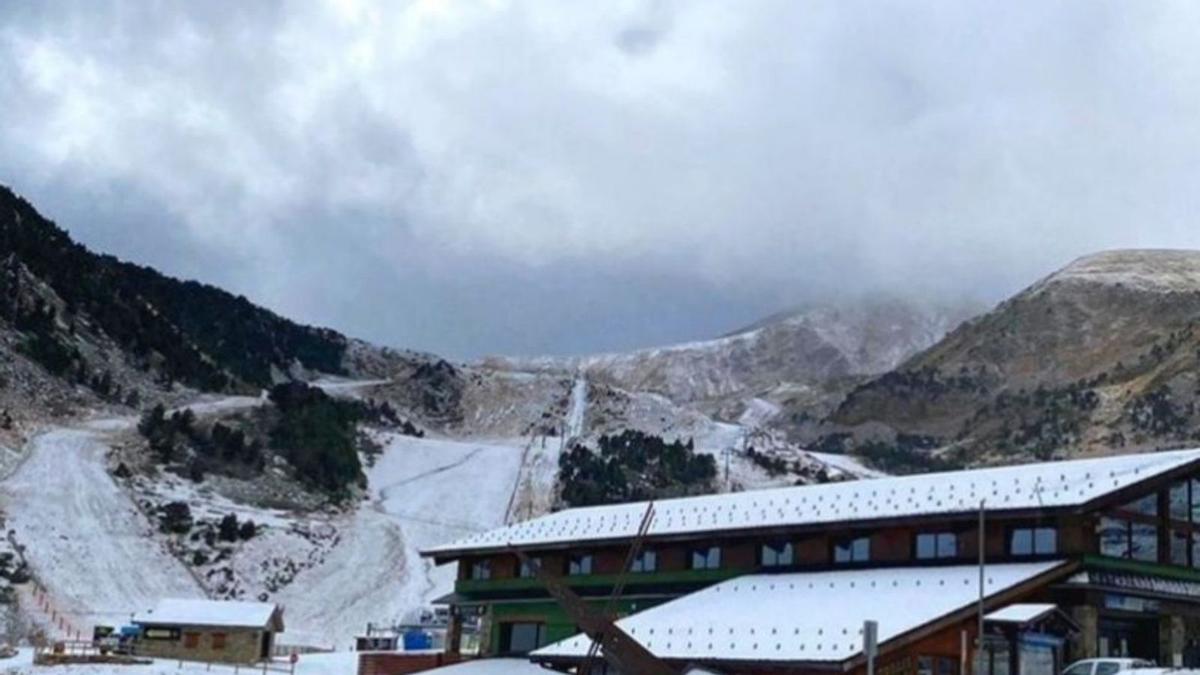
161, 634
870, 639
1130, 603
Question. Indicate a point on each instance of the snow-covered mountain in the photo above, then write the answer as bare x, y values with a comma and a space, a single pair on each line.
806, 353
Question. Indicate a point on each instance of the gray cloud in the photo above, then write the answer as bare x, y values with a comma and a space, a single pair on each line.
527, 177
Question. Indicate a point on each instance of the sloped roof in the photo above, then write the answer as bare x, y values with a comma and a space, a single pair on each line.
1020, 612
762, 617
189, 612
1047, 485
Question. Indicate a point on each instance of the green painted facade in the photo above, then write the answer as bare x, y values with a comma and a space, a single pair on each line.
641, 592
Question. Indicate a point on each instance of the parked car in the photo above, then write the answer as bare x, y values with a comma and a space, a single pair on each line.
1107, 666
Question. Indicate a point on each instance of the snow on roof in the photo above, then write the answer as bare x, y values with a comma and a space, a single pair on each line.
491, 667
1049, 485
1020, 613
755, 617
181, 612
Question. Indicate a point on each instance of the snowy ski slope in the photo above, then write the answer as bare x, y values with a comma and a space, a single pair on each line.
423, 492
96, 553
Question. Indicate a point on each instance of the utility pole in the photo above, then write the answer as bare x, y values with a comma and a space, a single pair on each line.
870, 644
982, 567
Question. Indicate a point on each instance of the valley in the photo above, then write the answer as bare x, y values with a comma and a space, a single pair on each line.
109, 512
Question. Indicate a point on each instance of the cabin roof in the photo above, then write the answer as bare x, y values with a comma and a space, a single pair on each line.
222, 613
1021, 613
755, 617
1047, 485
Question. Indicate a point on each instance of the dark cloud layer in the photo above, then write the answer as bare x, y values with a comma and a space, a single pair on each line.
563, 177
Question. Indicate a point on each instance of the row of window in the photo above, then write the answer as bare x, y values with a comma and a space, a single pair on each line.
1136, 540
1022, 542
192, 640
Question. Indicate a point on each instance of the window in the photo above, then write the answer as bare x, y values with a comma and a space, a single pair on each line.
779, 554
579, 564
528, 567
218, 640
1143, 542
646, 561
1079, 669
932, 545
1114, 537
191, 640
1180, 548
1194, 486
852, 550
1181, 504
481, 569
1033, 541
936, 665
706, 558
522, 637
1120, 538
1108, 668
1146, 506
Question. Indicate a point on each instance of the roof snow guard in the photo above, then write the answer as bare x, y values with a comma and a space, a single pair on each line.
229, 614
763, 618
1030, 486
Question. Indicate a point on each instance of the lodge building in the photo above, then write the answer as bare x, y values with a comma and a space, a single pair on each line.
1082, 558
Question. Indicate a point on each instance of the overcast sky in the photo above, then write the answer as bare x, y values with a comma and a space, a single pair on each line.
563, 177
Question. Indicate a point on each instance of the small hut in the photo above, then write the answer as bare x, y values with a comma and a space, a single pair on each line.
209, 630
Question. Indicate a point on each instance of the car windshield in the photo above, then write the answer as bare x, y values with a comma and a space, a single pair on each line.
1079, 669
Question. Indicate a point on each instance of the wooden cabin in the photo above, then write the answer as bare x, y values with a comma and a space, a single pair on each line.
214, 631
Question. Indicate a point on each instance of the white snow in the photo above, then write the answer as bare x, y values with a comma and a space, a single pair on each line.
755, 617
578, 409
101, 560
1045, 485
423, 491
846, 464
337, 663
84, 537
191, 612
491, 667
1020, 612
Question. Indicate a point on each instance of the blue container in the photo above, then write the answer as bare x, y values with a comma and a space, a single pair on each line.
417, 639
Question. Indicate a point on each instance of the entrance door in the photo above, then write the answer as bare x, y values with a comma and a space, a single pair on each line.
1129, 638
264, 651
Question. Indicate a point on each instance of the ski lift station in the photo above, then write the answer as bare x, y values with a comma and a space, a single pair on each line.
1077, 559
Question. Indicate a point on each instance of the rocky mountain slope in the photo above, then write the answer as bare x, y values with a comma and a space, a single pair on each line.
1101, 356
806, 356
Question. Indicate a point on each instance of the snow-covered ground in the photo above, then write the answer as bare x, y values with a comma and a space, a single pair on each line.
423, 492
846, 464
338, 663
84, 538
100, 558
576, 413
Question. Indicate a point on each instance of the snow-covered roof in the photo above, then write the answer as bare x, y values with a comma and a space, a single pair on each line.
491, 667
1020, 612
755, 617
1045, 485
189, 612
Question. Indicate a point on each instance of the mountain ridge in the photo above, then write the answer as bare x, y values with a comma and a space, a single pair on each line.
1099, 356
